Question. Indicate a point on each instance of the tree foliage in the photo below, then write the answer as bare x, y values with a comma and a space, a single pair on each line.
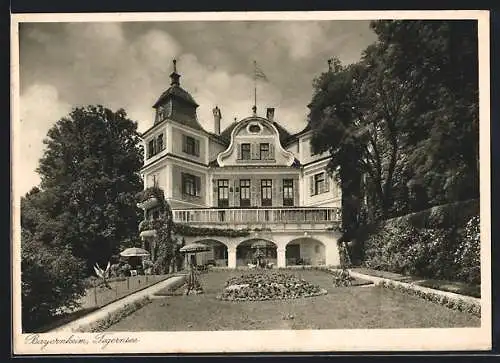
86, 200
51, 278
404, 119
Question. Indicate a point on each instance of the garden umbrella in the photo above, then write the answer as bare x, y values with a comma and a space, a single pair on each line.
194, 248
134, 252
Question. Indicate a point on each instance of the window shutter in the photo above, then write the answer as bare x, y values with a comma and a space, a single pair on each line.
280, 192
183, 183
197, 147
197, 186
295, 192
253, 193
258, 194
327, 182
311, 185
271, 151
184, 143
255, 151
238, 151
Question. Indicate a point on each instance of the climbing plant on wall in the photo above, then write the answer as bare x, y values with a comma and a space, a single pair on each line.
165, 245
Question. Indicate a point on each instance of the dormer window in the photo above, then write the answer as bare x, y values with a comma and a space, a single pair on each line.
254, 129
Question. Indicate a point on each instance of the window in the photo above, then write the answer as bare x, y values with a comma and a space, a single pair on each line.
319, 184
245, 151
159, 142
223, 192
244, 193
264, 151
266, 186
155, 146
191, 185
151, 148
191, 146
254, 129
288, 192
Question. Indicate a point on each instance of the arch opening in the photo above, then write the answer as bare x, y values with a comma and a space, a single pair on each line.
305, 251
246, 251
217, 256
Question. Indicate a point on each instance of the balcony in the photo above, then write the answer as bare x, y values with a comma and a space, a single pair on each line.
259, 217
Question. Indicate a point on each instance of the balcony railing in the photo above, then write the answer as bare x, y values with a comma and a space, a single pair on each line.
257, 215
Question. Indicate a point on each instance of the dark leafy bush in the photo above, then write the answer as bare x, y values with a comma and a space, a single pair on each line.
51, 279
442, 216
438, 253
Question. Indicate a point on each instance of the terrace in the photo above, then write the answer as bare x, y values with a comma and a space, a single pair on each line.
255, 217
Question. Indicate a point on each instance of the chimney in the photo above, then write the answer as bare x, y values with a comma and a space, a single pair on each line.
217, 117
270, 114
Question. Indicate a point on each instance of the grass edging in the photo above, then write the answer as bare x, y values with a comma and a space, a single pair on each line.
450, 300
114, 317
447, 301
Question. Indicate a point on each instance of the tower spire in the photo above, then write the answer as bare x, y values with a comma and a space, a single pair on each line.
174, 76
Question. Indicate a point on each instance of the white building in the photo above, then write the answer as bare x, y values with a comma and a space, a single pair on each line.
254, 176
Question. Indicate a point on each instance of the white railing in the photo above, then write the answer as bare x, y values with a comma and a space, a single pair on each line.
257, 215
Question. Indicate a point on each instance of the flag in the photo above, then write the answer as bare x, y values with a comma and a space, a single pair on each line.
258, 73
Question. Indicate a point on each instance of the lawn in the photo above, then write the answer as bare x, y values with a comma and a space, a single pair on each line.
443, 285
359, 307
100, 296
120, 287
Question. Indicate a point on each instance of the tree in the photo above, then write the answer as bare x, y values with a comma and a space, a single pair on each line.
442, 126
400, 117
51, 278
89, 179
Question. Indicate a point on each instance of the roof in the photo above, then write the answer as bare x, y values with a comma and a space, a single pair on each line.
298, 134
176, 91
283, 133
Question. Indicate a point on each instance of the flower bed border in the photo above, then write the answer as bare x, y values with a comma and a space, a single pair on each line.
253, 274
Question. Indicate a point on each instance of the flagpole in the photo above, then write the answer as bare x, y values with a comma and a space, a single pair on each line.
255, 83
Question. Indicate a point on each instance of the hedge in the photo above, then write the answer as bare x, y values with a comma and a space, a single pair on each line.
438, 253
440, 243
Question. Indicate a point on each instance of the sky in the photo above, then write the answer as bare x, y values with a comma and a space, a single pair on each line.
127, 65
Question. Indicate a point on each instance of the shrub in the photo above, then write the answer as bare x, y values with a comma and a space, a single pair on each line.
125, 269
438, 253
468, 252
51, 279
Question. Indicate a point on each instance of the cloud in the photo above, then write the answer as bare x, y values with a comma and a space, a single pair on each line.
40, 108
127, 65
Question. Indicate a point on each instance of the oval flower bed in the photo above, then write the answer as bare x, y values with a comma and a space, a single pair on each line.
272, 286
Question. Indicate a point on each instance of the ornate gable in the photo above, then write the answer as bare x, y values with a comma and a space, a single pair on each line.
255, 141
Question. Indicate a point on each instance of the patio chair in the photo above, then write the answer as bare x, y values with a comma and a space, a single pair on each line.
133, 272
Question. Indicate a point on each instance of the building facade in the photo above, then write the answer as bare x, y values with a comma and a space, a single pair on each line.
254, 175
